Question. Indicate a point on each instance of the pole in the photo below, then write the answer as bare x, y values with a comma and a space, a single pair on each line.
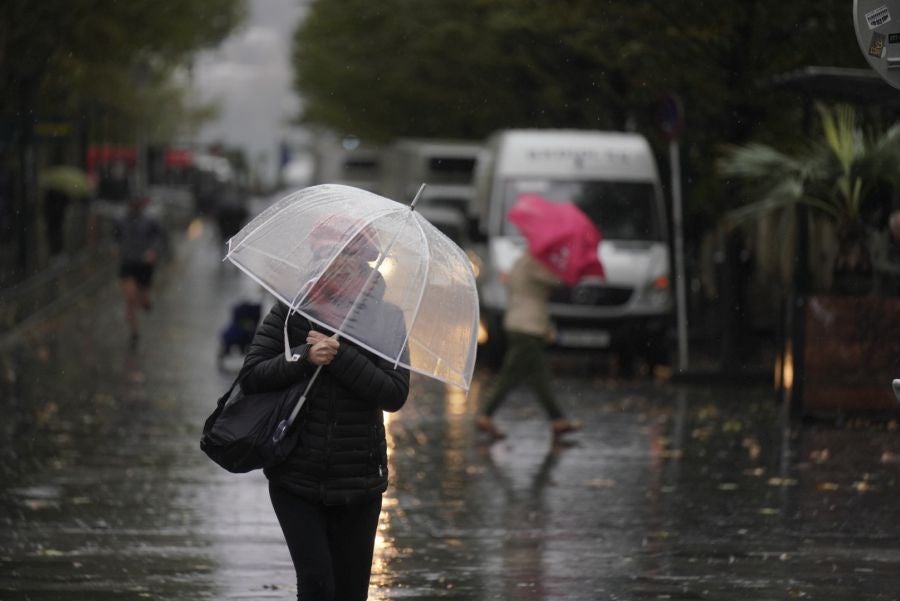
677, 226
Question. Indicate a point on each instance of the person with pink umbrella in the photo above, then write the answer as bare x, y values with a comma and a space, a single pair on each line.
562, 249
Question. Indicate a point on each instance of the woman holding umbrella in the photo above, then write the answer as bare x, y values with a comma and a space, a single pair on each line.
528, 330
562, 249
327, 494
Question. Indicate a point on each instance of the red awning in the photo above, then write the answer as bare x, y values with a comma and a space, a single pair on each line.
178, 157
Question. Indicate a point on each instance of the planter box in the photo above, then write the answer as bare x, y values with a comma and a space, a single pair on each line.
851, 353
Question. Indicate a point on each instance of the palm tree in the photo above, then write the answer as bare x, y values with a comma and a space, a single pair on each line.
835, 176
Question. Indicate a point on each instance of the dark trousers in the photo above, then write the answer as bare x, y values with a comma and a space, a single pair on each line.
331, 546
524, 362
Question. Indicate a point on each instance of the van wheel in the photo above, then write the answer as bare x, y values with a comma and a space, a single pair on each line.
627, 364
490, 354
657, 354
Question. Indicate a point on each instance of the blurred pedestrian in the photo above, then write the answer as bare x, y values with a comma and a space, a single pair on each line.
327, 493
528, 330
139, 237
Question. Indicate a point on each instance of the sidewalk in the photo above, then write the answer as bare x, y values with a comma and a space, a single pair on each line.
670, 492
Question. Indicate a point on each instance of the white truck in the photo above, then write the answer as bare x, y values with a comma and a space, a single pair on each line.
613, 178
448, 167
346, 161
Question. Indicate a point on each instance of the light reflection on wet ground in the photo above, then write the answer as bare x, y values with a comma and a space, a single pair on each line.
667, 494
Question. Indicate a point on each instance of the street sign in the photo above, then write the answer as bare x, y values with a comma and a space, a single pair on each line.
877, 25
670, 116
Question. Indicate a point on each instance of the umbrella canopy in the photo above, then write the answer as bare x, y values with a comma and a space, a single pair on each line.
560, 236
372, 270
68, 180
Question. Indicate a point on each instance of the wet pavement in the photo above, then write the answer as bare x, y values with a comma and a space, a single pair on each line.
669, 492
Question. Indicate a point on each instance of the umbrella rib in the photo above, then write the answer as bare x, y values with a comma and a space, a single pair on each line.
439, 362
259, 281
243, 241
421, 290
271, 256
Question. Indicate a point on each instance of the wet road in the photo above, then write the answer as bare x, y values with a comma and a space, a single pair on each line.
669, 493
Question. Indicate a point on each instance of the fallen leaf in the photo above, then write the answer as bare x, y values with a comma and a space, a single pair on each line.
732, 425
753, 447
889, 457
782, 482
707, 412
701, 433
46, 413
671, 454
601, 483
827, 486
820, 456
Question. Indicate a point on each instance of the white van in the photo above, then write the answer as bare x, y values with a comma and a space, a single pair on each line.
613, 178
447, 166
346, 161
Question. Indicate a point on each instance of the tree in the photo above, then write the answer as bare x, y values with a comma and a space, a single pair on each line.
57, 56
464, 68
74, 60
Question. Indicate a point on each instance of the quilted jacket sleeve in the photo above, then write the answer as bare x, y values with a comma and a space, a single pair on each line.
265, 367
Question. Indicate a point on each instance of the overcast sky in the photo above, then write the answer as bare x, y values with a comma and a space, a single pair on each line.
250, 76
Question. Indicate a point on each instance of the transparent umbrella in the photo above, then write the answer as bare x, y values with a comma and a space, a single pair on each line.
372, 270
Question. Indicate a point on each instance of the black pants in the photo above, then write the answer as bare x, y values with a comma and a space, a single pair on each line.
331, 546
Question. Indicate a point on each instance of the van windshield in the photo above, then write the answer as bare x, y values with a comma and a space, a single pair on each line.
622, 210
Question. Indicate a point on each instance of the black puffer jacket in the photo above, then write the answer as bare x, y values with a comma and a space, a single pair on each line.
341, 457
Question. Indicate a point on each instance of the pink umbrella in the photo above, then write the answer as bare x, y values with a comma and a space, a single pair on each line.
560, 236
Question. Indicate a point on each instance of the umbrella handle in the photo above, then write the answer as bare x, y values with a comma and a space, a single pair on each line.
284, 424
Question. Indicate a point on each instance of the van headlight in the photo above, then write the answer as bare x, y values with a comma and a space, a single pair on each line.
657, 293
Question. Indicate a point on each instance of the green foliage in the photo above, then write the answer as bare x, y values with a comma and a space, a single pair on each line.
464, 68
59, 56
835, 174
